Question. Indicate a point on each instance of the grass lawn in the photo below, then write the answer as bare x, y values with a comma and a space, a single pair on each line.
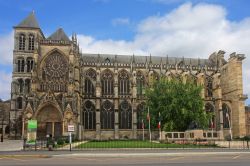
137, 144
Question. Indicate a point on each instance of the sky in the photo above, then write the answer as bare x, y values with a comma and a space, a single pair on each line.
176, 28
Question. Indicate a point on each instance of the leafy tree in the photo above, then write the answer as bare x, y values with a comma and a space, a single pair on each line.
179, 104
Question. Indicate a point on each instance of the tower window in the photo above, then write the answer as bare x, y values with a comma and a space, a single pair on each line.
22, 42
31, 42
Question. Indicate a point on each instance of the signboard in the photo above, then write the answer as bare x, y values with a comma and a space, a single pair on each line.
71, 128
32, 125
31, 135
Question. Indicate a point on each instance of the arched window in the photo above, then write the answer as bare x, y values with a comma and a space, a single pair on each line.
107, 82
31, 42
209, 87
123, 81
30, 64
125, 115
22, 42
89, 117
19, 103
140, 83
140, 115
107, 115
21, 85
20, 65
210, 110
90, 78
226, 116
27, 85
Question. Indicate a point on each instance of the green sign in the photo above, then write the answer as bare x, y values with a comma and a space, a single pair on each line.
32, 125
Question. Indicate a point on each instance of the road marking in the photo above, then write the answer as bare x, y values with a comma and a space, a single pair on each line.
176, 158
235, 157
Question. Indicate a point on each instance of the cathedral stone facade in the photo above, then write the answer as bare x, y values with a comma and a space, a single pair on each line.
103, 95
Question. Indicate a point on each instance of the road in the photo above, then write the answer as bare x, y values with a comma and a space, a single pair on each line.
137, 159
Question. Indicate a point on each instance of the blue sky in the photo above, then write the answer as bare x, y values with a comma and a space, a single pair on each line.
123, 24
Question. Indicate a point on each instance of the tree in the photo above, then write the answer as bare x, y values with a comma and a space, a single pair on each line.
180, 105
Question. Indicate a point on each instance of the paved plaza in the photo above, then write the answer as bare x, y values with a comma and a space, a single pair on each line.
11, 145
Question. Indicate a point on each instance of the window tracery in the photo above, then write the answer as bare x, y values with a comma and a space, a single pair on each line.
123, 81
31, 42
107, 81
125, 115
55, 73
140, 83
107, 115
22, 42
90, 78
89, 115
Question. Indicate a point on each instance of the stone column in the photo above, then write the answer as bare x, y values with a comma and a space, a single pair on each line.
98, 104
134, 120
217, 95
116, 119
98, 121
53, 129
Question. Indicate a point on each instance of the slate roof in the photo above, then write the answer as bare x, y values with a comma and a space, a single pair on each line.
142, 59
59, 35
29, 22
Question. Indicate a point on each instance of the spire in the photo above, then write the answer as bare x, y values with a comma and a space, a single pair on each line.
59, 35
29, 22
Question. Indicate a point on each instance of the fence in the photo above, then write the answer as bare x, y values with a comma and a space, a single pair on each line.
63, 144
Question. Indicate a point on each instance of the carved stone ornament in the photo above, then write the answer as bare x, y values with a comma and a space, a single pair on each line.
56, 66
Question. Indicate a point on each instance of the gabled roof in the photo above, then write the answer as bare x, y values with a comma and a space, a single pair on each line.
59, 35
29, 22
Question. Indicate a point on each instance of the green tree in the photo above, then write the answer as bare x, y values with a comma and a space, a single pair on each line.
180, 104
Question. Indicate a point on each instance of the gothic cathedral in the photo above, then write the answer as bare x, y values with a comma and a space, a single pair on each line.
103, 95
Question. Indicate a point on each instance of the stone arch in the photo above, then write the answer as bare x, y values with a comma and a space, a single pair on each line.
140, 82
49, 119
124, 82
107, 82
227, 114
210, 109
89, 79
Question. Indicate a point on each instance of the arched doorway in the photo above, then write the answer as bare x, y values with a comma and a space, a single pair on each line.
49, 121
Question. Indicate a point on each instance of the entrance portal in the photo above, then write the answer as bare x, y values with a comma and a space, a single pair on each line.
49, 122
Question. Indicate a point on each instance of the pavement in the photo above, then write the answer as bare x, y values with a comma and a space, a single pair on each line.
131, 158
11, 145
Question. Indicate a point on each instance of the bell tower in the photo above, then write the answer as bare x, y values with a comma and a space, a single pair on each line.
27, 35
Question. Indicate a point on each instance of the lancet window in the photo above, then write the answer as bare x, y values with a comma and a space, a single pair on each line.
125, 115
107, 115
123, 81
89, 115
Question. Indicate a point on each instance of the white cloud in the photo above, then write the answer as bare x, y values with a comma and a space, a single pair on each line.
6, 48
189, 30
5, 84
120, 21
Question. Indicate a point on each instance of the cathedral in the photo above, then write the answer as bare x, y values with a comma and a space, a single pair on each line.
103, 95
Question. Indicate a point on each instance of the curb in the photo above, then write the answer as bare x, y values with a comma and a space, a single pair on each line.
114, 155
25, 156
